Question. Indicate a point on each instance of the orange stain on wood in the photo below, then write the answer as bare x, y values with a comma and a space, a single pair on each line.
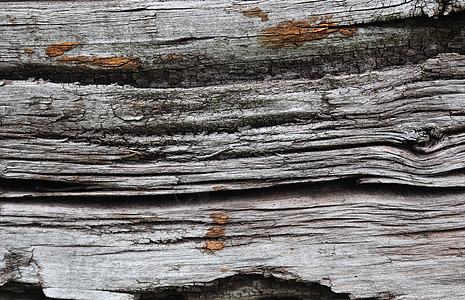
73, 59
60, 48
220, 218
111, 62
12, 20
213, 246
296, 33
115, 62
29, 51
215, 231
255, 12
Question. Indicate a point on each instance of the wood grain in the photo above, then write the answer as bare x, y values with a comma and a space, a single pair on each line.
402, 125
203, 43
232, 149
367, 242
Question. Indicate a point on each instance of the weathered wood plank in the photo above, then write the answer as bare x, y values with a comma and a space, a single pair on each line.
125, 141
367, 242
196, 43
393, 125
402, 125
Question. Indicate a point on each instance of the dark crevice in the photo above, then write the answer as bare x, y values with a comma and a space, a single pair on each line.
258, 287
179, 198
427, 232
21, 291
40, 185
428, 38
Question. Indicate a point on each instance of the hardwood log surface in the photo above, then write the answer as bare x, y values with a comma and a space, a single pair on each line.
257, 150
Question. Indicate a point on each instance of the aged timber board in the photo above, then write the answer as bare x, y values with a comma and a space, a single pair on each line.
364, 242
197, 108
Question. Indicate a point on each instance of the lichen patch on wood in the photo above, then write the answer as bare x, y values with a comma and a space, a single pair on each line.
28, 51
215, 232
213, 246
60, 48
220, 218
112, 62
296, 33
255, 12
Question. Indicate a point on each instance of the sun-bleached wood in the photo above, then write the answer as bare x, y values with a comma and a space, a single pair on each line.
209, 171
366, 242
402, 125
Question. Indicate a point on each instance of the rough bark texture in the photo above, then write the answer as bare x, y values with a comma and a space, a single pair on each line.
232, 150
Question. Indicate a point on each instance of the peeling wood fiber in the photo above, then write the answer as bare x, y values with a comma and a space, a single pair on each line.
402, 125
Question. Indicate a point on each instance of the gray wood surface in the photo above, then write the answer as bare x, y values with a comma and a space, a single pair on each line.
406, 244
401, 125
198, 43
232, 149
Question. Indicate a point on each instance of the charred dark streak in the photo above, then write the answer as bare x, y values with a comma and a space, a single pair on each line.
191, 40
127, 10
173, 241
